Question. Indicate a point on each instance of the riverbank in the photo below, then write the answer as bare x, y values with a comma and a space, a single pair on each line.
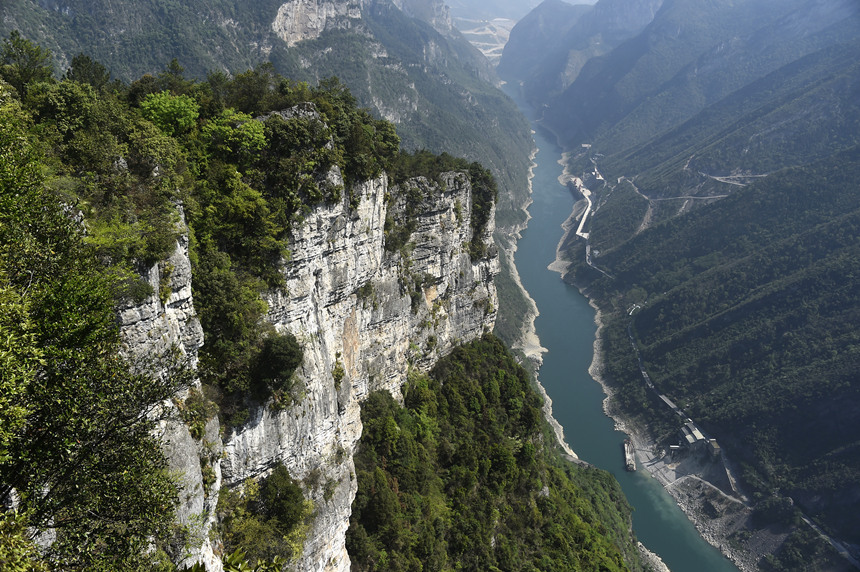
529, 342
689, 478
698, 485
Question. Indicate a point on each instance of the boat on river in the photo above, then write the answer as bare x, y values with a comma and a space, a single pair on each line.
629, 458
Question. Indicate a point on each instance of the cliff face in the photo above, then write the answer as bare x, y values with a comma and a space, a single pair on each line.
165, 322
299, 20
356, 309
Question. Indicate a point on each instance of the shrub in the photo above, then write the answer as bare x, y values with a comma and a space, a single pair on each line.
278, 360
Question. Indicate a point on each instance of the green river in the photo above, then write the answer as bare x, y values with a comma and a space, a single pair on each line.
566, 329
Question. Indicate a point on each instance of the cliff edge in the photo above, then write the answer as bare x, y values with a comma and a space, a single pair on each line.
364, 316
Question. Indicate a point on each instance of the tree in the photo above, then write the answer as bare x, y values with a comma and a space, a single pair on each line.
268, 521
77, 434
279, 358
22, 62
173, 114
86, 70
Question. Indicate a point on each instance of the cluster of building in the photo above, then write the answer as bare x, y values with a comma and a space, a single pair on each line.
692, 439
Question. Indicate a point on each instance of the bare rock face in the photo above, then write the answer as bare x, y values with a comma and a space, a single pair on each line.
166, 319
371, 315
164, 323
299, 20
364, 316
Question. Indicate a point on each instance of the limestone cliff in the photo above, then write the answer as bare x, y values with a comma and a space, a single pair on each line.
364, 316
162, 323
299, 20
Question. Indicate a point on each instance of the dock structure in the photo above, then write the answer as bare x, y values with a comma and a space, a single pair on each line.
629, 458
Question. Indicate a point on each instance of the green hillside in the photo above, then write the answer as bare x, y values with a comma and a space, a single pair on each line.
749, 324
463, 477
727, 135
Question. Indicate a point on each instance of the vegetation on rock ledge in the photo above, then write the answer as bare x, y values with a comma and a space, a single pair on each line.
463, 476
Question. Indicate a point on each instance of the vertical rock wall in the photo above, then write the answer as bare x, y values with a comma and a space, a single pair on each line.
374, 313
166, 322
355, 308
299, 20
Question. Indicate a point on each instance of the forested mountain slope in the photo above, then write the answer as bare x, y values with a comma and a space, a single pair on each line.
465, 459
436, 88
749, 324
566, 37
727, 210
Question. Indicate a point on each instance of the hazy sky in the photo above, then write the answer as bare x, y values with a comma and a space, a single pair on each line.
488, 9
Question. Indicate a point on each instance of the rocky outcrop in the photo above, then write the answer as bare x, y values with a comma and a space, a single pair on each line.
372, 315
166, 318
365, 317
299, 20
164, 323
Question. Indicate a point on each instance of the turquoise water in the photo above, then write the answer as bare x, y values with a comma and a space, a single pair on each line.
566, 329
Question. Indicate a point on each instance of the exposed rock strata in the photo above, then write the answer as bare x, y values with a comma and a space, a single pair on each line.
300, 20
163, 323
350, 303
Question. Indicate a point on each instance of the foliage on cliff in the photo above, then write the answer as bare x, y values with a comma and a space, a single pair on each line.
464, 476
437, 88
268, 520
77, 448
423, 163
95, 177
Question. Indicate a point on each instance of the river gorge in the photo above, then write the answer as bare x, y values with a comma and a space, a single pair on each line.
566, 329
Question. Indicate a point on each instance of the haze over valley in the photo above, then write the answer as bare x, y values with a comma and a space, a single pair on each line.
280, 285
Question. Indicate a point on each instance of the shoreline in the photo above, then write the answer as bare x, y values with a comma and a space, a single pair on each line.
688, 489
529, 342
562, 264
687, 495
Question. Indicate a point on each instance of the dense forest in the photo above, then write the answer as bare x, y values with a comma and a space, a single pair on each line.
748, 323
98, 178
726, 139
436, 88
465, 475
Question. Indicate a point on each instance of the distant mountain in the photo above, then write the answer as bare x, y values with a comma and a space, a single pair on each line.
689, 102
692, 54
408, 65
567, 37
541, 32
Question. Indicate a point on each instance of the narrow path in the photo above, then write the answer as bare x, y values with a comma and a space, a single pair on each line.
836, 544
709, 485
689, 198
